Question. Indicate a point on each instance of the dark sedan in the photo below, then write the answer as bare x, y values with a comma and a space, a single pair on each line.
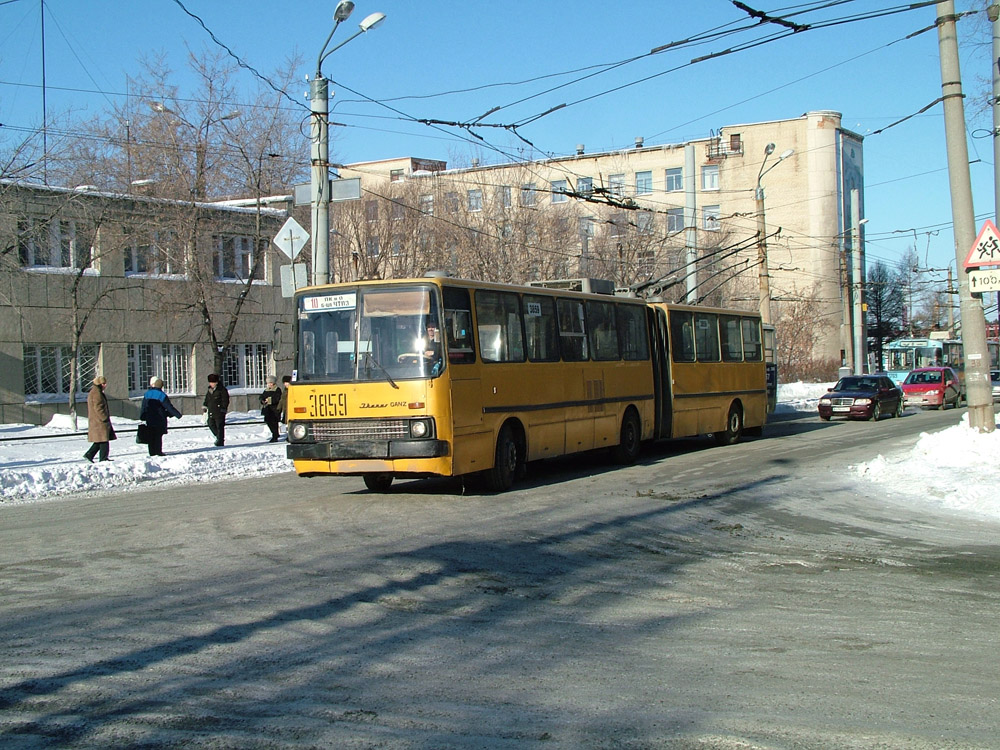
862, 397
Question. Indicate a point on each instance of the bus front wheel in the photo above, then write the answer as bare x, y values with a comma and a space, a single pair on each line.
505, 463
378, 482
734, 427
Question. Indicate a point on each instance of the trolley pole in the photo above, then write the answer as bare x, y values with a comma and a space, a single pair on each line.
977, 365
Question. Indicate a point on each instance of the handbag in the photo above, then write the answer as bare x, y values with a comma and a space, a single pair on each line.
142, 434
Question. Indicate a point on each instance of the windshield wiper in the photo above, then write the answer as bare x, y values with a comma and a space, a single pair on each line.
370, 358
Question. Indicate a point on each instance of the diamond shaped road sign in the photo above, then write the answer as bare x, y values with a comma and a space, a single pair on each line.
291, 238
985, 250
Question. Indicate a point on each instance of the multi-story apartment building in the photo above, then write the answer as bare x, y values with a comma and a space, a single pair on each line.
680, 219
138, 287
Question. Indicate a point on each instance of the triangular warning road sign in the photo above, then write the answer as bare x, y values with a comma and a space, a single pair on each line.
986, 249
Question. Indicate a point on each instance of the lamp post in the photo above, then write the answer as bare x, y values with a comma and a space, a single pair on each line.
762, 269
319, 132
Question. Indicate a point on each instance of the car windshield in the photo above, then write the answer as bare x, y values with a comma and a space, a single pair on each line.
923, 377
855, 384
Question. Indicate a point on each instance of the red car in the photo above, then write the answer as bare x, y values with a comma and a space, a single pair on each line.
932, 387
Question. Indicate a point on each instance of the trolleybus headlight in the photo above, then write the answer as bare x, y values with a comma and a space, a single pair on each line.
297, 431
419, 428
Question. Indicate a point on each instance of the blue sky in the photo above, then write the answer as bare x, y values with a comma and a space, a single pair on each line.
485, 51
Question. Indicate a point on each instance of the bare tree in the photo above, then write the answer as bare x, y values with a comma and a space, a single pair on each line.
885, 306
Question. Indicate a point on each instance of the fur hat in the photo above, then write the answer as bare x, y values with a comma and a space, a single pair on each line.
155, 382
213, 378
271, 380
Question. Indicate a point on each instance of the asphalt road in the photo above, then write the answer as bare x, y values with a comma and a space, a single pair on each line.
753, 596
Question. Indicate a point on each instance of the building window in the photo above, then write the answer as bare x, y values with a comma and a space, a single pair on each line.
397, 245
710, 177
398, 210
528, 194
169, 362
395, 175
234, 256
155, 254
426, 205
675, 180
617, 224
46, 369
245, 366
475, 199
372, 247
710, 218
559, 191
643, 183
503, 192
451, 202
645, 222
616, 185
56, 243
586, 226
585, 186
371, 211
675, 219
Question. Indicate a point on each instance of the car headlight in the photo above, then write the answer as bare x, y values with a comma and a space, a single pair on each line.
297, 431
862, 401
419, 428
825, 401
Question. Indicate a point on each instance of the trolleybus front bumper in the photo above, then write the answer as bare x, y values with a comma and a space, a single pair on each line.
339, 451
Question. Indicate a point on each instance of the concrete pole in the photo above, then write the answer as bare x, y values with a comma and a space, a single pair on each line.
993, 11
860, 340
690, 225
319, 132
977, 361
762, 269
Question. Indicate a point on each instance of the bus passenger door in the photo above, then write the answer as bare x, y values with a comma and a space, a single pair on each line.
661, 373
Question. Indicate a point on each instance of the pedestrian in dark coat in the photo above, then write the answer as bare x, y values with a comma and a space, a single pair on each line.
285, 380
216, 405
270, 407
156, 407
99, 429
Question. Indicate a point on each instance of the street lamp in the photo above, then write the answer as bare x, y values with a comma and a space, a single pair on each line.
319, 101
762, 269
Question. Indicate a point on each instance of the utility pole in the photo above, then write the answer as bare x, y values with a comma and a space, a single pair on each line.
319, 131
690, 225
858, 287
993, 11
977, 364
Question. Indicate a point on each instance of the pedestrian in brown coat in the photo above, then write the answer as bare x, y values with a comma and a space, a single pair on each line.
99, 430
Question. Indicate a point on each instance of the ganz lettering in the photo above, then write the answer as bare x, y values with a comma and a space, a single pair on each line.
369, 405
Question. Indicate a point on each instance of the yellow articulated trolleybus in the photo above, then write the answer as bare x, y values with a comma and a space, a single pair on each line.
447, 377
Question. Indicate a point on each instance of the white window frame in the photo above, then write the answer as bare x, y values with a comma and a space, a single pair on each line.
559, 188
711, 218
710, 177
528, 194
673, 179
505, 196
53, 244
585, 186
169, 362
246, 366
675, 220
37, 358
644, 182
426, 204
241, 248
474, 200
616, 185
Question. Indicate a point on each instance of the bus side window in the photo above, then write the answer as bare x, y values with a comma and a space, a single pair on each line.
706, 336
540, 328
732, 338
498, 317
603, 331
752, 350
681, 336
632, 332
572, 331
458, 325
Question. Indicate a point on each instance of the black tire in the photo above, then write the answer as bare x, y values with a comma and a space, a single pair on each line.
876, 412
825, 419
629, 441
378, 482
506, 462
734, 427
899, 409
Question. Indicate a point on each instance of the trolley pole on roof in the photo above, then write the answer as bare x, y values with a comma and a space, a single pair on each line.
977, 364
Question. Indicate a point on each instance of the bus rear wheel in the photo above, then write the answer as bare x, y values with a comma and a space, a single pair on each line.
627, 450
506, 462
378, 482
734, 427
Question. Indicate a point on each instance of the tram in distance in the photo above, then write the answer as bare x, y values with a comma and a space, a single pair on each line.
438, 376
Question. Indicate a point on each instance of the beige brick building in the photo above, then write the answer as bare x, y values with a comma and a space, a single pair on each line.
144, 287
680, 218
